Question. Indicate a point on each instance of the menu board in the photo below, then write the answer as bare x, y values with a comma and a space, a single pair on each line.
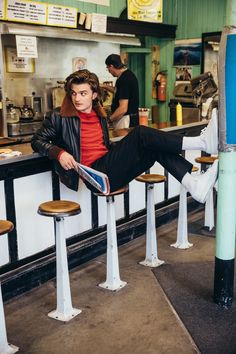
62, 16
39, 13
2, 7
26, 11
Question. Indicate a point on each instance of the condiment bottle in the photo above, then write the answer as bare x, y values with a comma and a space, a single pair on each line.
179, 114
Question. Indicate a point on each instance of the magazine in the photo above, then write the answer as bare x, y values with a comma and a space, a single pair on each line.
96, 178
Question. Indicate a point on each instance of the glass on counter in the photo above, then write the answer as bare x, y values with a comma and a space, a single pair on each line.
144, 116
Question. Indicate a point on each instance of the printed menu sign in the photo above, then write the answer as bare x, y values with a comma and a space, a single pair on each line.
2, 6
62, 16
26, 11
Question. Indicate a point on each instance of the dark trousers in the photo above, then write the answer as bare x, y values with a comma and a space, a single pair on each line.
138, 151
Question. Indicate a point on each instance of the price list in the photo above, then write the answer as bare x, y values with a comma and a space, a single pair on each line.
62, 16
26, 11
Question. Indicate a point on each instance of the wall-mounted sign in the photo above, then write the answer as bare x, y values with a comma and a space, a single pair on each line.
145, 10
26, 11
99, 23
2, 10
62, 16
79, 63
15, 64
26, 46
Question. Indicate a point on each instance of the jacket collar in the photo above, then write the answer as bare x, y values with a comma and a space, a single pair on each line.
67, 108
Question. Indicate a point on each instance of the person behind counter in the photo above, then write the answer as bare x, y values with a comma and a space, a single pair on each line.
78, 132
125, 101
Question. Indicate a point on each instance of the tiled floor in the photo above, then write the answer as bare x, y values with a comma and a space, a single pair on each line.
135, 320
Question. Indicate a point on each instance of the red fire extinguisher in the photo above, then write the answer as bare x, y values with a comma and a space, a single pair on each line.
161, 82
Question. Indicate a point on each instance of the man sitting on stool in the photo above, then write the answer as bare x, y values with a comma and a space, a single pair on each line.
78, 132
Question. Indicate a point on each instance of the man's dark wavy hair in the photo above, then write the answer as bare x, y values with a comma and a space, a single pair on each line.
86, 77
82, 77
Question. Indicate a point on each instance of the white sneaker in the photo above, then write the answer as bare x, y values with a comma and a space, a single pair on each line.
210, 134
204, 183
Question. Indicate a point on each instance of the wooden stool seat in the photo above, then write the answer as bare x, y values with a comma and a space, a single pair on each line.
151, 178
59, 208
117, 192
208, 160
5, 227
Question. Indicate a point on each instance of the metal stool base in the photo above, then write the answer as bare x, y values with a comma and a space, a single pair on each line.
10, 349
113, 287
62, 317
182, 245
153, 263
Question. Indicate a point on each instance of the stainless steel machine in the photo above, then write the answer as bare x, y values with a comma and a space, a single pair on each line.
183, 95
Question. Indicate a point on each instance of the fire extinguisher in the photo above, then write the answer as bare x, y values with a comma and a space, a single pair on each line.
161, 82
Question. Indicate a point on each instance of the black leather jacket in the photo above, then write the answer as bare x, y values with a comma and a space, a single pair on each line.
63, 133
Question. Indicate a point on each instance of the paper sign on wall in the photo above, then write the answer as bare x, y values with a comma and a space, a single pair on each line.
26, 11
15, 64
2, 7
99, 23
26, 47
62, 16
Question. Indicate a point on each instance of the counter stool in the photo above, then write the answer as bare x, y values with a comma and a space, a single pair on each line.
209, 220
151, 258
59, 209
5, 348
113, 281
182, 228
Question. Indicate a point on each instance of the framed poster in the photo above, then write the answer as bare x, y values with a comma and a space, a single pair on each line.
187, 52
15, 64
79, 63
143, 10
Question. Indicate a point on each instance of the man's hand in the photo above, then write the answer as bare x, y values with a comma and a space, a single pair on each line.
67, 161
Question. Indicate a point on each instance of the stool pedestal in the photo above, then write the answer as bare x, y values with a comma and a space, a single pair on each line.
58, 210
64, 311
182, 228
113, 281
209, 218
151, 257
5, 348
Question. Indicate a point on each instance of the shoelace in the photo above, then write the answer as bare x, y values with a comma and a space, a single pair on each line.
203, 131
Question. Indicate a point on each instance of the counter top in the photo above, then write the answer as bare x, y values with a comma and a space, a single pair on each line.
116, 135
26, 151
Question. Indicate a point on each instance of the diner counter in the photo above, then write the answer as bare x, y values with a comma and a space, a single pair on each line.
28, 253
115, 135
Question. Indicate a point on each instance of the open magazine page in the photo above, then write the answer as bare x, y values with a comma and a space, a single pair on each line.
96, 178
